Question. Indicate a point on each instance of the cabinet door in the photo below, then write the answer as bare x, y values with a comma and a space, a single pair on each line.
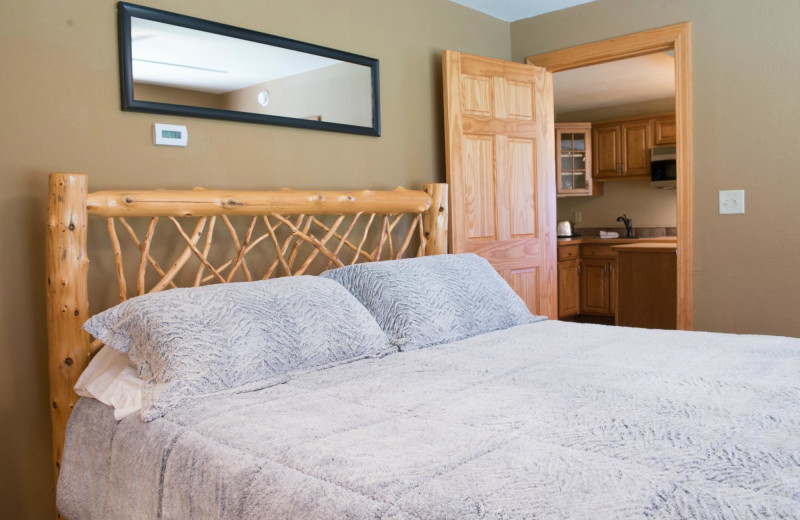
595, 286
664, 131
636, 148
612, 287
568, 288
573, 160
606, 142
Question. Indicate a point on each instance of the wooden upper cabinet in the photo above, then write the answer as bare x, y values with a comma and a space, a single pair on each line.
621, 147
635, 148
574, 161
606, 141
664, 131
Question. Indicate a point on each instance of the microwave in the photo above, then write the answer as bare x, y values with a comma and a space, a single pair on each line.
663, 167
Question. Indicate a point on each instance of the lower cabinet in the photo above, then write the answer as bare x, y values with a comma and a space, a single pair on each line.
569, 288
597, 286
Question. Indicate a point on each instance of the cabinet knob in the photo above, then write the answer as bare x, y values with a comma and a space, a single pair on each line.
570, 253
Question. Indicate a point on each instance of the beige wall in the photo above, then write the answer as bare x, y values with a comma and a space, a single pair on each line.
647, 206
60, 111
746, 108
641, 108
340, 93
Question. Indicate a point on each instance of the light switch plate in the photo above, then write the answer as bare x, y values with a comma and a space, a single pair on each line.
731, 202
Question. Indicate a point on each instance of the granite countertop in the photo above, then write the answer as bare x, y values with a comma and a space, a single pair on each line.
589, 239
648, 246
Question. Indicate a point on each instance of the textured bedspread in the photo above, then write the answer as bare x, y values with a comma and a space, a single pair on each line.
549, 420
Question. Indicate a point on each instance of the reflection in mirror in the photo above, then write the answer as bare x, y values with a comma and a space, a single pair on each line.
176, 64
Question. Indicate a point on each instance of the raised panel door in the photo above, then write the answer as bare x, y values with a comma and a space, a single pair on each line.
665, 131
594, 286
606, 148
568, 288
500, 151
635, 148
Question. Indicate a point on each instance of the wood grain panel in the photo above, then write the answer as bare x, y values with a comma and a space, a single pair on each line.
518, 100
476, 95
479, 187
521, 154
480, 66
508, 127
525, 283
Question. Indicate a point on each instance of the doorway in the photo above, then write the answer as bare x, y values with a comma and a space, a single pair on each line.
675, 38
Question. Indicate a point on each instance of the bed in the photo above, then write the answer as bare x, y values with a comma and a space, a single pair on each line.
470, 407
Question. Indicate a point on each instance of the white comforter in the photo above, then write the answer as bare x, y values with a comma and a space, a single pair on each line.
548, 420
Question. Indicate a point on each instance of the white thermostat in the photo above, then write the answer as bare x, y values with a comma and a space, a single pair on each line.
170, 135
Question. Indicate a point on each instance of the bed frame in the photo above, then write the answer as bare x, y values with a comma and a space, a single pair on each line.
290, 219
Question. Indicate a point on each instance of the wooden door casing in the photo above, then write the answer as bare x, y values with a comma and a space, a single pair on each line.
500, 148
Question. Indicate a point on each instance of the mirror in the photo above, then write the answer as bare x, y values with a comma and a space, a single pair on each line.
176, 64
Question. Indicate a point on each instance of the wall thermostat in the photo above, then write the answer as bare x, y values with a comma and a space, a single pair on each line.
170, 135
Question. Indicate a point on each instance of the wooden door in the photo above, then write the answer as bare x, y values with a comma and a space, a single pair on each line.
606, 141
636, 148
500, 150
594, 286
568, 288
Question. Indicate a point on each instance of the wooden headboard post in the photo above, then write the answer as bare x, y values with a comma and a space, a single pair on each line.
67, 297
434, 222
70, 204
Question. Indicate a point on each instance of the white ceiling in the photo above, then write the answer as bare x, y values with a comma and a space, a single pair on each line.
513, 10
174, 56
615, 83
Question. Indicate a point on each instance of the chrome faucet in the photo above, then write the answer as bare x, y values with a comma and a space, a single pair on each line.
628, 224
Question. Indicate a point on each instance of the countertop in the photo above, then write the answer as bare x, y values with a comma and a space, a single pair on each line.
647, 247
616, 241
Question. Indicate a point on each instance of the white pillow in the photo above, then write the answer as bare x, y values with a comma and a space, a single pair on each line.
111, 379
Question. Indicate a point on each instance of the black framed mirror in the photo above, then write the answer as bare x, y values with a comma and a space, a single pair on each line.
180, 65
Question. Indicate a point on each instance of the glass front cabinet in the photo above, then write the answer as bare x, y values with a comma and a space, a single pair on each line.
574, 160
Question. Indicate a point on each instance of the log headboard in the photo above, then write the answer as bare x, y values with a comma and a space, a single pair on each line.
300, 227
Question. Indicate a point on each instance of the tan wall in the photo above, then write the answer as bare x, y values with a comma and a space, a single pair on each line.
647, 206
746, 109
340, 93
60, 111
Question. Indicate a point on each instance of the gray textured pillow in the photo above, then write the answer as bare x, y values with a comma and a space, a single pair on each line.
188, 343
430, 300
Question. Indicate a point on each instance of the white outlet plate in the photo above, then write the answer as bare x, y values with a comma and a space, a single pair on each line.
578, 217
731, 202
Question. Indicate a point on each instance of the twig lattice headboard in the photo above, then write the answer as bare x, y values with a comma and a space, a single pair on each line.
300, 229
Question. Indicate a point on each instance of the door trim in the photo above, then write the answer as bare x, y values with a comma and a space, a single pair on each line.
677, 38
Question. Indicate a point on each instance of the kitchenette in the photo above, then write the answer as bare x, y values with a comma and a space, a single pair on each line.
617, 247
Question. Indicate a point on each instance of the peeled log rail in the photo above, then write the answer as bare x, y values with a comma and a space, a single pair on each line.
199, 203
